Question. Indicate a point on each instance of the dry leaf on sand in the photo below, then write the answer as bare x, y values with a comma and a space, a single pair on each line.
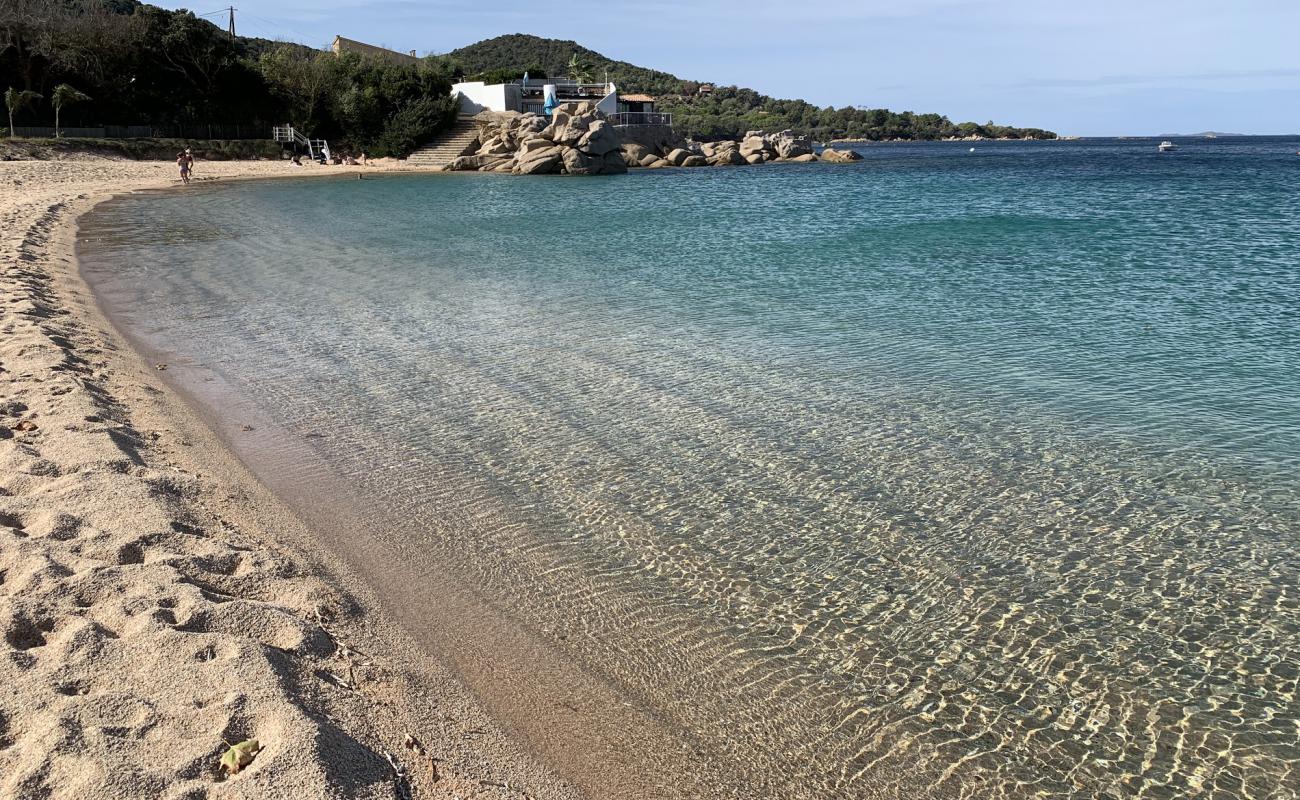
239, 755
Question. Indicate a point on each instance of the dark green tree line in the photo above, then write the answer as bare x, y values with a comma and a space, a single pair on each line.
137, 64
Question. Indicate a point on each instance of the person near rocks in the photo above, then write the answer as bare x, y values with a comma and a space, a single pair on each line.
184, 161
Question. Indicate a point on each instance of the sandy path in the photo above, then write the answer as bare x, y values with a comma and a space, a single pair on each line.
155, 599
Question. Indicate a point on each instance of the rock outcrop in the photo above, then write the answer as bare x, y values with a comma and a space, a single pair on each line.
578, 140
786, 145
840, 156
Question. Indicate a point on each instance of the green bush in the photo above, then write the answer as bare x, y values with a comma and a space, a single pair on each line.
413, 125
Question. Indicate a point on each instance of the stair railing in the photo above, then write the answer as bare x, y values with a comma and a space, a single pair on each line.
287, 134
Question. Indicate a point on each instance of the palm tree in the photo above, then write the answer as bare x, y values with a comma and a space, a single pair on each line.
15, 101
580, 70
64, 95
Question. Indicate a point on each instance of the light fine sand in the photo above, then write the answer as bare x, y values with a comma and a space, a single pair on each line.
155, 600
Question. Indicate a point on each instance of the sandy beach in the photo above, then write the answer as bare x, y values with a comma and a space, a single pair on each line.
156, 601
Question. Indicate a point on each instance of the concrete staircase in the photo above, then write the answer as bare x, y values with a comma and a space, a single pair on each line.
458, 140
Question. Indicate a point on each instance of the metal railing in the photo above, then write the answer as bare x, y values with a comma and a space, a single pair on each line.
285, 134
562, 83
625, 118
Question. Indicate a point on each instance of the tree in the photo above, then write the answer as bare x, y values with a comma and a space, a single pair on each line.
80, 36
197, 52
15, 101
580, 69
64, 95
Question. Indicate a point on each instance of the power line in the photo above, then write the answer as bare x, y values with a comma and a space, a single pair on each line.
276, 29
230, 26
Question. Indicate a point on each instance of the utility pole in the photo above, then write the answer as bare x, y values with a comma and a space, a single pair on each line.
232, 10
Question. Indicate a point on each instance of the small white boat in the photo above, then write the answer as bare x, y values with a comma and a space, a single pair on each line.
1166, 146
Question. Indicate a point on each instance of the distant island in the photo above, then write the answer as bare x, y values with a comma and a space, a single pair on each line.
1201, 135
705, 110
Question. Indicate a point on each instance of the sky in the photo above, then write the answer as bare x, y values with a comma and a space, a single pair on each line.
1099, 68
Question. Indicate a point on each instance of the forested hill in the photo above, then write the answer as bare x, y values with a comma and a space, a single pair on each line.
125, 63
726, 111
519, 51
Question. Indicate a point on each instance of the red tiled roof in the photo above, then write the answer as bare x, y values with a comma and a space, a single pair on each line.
636, 98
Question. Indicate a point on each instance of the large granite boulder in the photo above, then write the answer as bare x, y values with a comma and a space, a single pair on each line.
534, 143
694, 161
464, 164
565, 128
753, 143
577, 162
600, 138
615, 164
495, 146
532, 123
723, 157
788, 145
677, 156
634, 152
570, 122
840, 156
543, 161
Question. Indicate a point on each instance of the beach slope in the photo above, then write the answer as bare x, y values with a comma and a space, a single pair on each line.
156, 603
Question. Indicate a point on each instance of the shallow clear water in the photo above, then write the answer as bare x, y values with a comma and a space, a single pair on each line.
950, 473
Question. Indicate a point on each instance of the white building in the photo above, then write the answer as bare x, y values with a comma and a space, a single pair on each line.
476, 96
530, 95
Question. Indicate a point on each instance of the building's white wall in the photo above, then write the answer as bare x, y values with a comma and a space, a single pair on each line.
476, 96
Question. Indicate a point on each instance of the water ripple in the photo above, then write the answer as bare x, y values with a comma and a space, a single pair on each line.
934, 475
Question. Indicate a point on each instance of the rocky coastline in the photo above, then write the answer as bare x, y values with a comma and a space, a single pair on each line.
578, 140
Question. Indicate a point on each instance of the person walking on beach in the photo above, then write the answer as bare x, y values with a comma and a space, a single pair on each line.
183, 160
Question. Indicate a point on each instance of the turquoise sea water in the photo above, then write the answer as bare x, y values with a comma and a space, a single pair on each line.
943, 473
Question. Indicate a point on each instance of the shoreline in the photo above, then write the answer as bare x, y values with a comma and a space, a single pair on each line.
156, 597
576, 722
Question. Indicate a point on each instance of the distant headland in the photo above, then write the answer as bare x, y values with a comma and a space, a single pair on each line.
704, 110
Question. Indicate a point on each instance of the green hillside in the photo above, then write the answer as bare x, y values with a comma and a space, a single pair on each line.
175, 74
727, 111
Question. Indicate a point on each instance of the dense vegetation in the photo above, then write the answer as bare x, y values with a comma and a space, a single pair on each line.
726, 111
136, 64
122, 62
